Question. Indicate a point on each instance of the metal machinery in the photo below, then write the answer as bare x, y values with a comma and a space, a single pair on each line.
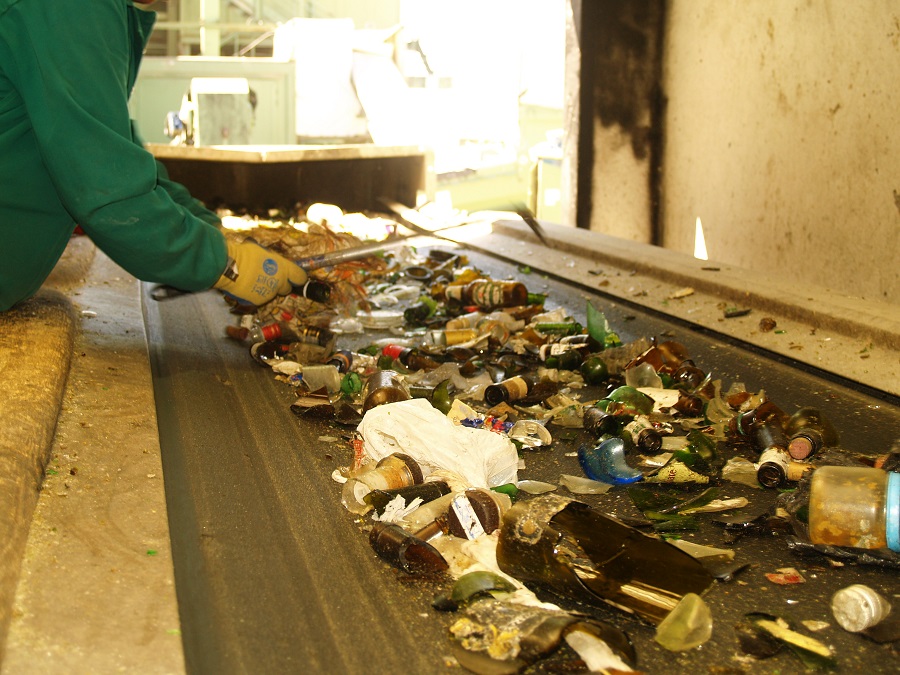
214, 111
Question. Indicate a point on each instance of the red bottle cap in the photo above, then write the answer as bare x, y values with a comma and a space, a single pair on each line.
271, 331
392, 350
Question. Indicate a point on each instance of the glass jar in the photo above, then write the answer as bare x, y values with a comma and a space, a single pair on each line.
857, 507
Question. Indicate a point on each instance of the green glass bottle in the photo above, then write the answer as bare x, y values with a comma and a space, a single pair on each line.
631, 401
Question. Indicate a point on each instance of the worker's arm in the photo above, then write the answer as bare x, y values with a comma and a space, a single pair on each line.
74, 63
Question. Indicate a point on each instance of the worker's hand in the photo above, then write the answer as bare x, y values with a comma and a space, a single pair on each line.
255, 275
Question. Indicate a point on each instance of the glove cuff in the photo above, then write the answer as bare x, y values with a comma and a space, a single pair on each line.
230, 273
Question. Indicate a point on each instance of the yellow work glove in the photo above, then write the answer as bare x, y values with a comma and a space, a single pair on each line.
255, 275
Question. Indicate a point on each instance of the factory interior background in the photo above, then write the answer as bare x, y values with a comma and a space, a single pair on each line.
766, 128
761, 137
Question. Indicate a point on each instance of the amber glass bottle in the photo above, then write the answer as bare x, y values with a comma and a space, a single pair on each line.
809, 431
511, 389
488, 294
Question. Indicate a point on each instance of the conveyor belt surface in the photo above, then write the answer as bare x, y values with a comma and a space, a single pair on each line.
275, 576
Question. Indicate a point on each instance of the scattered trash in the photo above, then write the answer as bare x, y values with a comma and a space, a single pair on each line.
859, 607
467, 378
814, 654
682, 293
735, 312
479, 584
404, 551
498, 637
535, 487
853, 506
583, 486
687, 626
581, 553
606, 463
785, 576
481, 457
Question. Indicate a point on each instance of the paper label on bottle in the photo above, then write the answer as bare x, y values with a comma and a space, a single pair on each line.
454, 292
636, 426
488, 294
517, 388
677, 472
459, 335
464, 321
467, 517
775, 456
795, 470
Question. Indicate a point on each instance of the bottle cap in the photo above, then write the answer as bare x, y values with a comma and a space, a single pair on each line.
270, 331
392, 350
801, 446
858, 607
892, 511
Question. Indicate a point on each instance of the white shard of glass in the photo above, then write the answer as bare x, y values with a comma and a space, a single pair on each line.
596, 653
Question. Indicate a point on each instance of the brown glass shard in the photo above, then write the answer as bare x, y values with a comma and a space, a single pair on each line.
583, 554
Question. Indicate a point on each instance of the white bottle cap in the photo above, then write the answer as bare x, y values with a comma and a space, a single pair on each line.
858, 607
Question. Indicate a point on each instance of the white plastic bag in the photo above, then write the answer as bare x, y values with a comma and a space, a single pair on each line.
483, 458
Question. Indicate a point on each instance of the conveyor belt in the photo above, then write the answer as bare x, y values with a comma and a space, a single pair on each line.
275, 576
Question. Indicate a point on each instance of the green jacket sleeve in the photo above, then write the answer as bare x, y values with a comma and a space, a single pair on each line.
74, 63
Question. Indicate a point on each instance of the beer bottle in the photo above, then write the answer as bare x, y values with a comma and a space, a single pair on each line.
599, 421
488, 294
384, 386
346, 361
316, 290
809, 431
410, 357
511, 389
428, 491
645, 438
291, 331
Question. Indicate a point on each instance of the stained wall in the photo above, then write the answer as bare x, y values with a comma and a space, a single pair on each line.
777, 123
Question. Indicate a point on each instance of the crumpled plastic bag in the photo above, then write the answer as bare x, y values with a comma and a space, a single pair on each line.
483, 458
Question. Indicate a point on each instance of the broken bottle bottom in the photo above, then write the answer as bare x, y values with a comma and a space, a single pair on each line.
585, 555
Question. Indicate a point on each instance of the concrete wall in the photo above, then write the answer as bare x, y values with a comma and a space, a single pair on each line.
782, 133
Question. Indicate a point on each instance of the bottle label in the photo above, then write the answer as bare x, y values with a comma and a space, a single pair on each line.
517, 388
464, 321
459, 335
677, 472
772, 468
454, 293
487, 294
775, 456
557, 348
271, 332
462, 507
796, 470
636, 426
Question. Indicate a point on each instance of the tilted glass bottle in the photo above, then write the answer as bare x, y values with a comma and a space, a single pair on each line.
511, 389
487, 294
809, 431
